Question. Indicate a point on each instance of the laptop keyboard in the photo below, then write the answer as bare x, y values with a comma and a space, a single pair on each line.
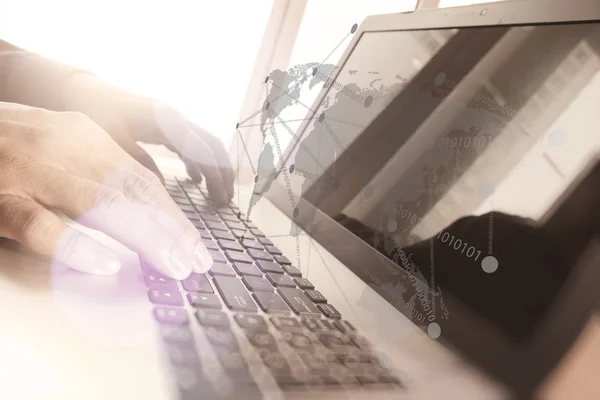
254, 295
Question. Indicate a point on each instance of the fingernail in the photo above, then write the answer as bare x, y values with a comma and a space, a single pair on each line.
103, 262
179, 264
202, 259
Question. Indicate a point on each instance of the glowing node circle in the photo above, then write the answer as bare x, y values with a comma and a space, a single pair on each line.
322, 117
267, 105
296, 212
354, 28
439, 79
256, 179
292, 168
489, 264
266, 79
237, 125
434, 330
314, 71
368, 101
392, 225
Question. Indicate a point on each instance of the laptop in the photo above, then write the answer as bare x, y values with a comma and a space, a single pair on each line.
429, 230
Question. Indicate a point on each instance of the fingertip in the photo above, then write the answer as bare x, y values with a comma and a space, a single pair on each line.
203, 261
100, 261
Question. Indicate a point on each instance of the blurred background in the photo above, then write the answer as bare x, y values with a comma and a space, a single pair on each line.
200, 56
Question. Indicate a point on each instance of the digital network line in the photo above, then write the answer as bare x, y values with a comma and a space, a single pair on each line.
280, 154
289, 120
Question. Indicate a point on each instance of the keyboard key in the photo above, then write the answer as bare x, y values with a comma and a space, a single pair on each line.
210, 244
174, 316
256, 232
344, 326
225, 211
286, 323
210, 218
165, 296
158, 281
298, 341
271, 302
185, 207
212, 318
252, 244
193, 384
183, 355
334, 339
265, 241
269, 266
318, 325
235, 225
223, 235
238, 233
238, 256
260, 255
230, 245
217, 256
315, 296
303, 283
280, 280
216, 226
337, 374
318, 361
202, 300
204, 234
221, 269
251, 321
261, 339
197, 283
199, 224
247, 269
255, 283
277, 364
191, 215
298, 302
282, 260
361, 343
291, 270
330, 311
229, 217
181, 200
221, 337
273, 250
176, 334
353, 357
197, 198
235, 367
234, 294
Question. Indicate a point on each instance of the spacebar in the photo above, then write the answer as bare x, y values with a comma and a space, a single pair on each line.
234, 293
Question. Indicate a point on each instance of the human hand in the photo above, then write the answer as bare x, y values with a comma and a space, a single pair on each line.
129, 119
67, 163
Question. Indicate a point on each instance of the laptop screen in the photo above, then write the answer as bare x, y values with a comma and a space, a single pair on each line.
443, 149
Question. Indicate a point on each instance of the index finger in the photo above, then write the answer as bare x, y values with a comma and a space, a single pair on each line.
191, 146
221, 156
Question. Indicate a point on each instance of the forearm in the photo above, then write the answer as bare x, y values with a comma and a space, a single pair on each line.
27, 78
